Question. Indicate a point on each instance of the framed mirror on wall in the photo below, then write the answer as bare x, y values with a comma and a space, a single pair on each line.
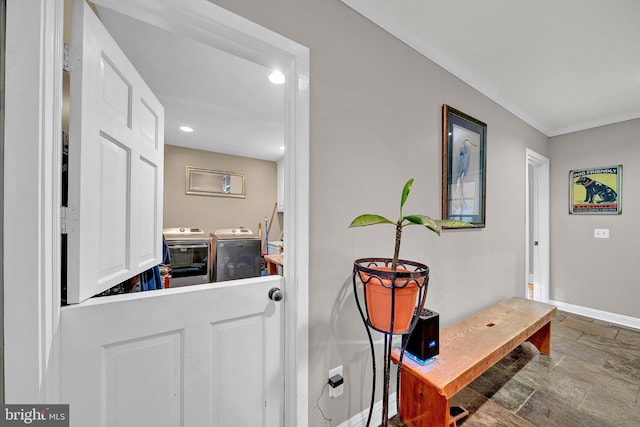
207, 182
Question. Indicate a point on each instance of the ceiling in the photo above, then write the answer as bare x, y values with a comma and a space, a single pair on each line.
228, 101
559, 65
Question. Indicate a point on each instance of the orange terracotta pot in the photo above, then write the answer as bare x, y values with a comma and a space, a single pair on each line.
378, 294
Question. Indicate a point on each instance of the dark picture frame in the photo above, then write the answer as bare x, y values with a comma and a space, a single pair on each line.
464, 159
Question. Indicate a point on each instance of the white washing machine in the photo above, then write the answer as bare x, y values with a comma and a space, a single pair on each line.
189, 249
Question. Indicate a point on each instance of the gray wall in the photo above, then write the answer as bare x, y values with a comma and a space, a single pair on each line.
213, 213
2, 47
375, 109
588, 272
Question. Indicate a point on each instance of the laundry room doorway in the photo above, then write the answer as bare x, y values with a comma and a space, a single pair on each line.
537, 227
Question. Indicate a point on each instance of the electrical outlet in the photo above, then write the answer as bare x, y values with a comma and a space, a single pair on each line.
337, 391
601, 233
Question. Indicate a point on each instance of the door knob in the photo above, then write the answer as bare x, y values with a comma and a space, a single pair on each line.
275, 294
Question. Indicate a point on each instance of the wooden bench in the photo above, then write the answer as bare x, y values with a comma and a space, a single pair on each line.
467, 349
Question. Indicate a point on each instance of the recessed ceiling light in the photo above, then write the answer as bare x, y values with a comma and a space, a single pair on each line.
186, 129
276, 77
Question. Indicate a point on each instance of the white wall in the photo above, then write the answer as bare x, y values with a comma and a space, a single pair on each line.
2, 43
596, 273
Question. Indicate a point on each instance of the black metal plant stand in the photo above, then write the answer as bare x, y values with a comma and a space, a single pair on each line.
377, 272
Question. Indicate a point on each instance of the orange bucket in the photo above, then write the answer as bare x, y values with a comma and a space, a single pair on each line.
378, 294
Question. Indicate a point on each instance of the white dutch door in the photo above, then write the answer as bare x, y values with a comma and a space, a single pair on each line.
206, 355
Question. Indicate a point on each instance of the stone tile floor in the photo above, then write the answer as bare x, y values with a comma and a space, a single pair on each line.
591, 378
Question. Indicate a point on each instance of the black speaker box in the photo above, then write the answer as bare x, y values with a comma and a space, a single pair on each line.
424, 342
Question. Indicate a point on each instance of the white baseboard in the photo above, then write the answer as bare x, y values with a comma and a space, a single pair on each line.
618, 319
360, 420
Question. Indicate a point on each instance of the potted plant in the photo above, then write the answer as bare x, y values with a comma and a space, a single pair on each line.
388, 286
392, 287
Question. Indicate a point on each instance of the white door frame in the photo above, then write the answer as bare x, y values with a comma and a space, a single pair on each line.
540, 223
33, 101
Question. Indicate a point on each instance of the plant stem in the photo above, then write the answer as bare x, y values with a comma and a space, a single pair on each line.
396, 251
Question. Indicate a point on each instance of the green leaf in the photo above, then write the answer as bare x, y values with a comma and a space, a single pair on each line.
369, 219
418, 219
453, 223
405, 193
431, 224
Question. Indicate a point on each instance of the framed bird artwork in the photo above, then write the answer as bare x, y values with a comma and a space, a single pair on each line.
464, 152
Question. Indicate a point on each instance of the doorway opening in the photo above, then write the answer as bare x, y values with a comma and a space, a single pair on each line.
33, 349
537, 227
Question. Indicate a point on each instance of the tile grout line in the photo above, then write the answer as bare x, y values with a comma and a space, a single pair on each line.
524, 403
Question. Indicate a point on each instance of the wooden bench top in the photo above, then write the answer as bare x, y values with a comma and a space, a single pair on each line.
471, 346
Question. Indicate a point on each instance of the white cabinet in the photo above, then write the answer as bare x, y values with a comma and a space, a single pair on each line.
281, 185
274, 247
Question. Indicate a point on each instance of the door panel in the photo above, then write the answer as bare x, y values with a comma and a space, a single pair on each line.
205, 355
113, 181
244, 335
144, 231
140, 373
149, 122
116, 91
116, 157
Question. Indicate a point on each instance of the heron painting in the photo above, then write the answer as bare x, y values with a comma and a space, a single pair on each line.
462, 192
463, 165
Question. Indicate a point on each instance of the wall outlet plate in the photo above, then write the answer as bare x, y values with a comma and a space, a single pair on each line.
601, 233
337, 391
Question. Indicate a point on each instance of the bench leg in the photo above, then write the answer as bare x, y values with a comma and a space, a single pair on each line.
420, 405
542, 339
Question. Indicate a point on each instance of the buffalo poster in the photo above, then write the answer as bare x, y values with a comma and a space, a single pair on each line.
596, 190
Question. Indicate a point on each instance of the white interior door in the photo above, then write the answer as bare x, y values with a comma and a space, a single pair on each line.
205, 355
116, 158
208, 355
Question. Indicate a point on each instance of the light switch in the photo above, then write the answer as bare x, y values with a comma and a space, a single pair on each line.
601, 233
